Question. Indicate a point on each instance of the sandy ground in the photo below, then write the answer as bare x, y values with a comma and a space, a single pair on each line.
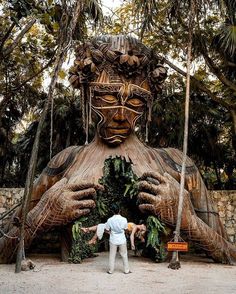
197, 275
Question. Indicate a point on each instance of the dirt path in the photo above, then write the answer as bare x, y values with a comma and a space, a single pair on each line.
54, 277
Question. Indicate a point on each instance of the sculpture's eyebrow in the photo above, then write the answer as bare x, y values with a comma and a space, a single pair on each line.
105, 89
119, 88
140, 92
102, 92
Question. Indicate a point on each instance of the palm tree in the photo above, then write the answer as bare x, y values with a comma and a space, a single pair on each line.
69, 20
147, 8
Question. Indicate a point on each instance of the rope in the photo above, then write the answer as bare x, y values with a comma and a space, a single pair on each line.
146, 132
87, 121
14, 207
7, 236
9, 211
205, 211
51, 127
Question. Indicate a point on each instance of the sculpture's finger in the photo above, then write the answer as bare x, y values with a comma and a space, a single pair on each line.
84, 185
153, 181
79, 212
86, 204
90, 192
78, 186
147, 208
146, 186
99, 187
155, 175
146, 197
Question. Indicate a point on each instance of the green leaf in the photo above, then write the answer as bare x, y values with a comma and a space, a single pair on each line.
62, 74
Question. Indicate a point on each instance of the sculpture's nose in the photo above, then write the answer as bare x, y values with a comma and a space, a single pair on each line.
120, 115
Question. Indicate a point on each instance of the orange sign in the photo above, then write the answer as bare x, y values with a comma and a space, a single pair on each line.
177, 246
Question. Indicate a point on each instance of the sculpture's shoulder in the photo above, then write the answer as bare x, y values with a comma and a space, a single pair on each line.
174, 157
61, 161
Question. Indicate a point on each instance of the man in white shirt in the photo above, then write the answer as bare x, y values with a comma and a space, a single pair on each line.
117, 225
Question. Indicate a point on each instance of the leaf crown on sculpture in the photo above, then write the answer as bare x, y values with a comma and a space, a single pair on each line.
121, 58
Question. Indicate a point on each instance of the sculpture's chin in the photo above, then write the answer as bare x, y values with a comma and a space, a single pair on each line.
114, 140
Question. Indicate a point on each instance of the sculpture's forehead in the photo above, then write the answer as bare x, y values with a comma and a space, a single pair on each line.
124, 90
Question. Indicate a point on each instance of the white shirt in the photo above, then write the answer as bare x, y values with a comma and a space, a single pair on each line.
116, 225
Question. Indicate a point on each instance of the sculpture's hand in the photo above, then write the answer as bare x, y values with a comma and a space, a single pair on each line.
159, 195
63, 203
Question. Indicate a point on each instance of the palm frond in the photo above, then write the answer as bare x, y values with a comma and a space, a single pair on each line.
227, 39
148, 11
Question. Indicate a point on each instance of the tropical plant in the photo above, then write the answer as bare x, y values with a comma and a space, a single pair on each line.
80, 248
156, 230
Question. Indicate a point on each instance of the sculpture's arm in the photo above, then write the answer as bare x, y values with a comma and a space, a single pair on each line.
60, 205
159, 195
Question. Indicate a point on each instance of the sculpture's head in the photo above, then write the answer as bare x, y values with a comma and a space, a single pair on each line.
119, 77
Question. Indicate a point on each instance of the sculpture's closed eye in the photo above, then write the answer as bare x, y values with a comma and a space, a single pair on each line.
109, 98
135, 102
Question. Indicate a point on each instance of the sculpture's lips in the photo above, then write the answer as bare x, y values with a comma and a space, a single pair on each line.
118, 130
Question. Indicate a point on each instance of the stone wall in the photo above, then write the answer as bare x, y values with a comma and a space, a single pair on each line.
9, 197
225, 200
226, 203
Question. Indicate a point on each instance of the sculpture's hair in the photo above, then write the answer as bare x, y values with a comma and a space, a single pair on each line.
119, 56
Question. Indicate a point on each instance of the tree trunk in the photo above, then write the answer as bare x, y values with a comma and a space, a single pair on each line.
174, 263
68, 138
233, 115
64, 45
33, 160
219, 184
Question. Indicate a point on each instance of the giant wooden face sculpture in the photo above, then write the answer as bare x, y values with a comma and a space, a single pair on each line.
118, 82
119, 106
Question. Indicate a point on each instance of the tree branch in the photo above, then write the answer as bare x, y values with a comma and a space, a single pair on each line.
34, 75
230, 64
8, 50
5, 37
233, 115
217, 72
199, 84
7, 97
